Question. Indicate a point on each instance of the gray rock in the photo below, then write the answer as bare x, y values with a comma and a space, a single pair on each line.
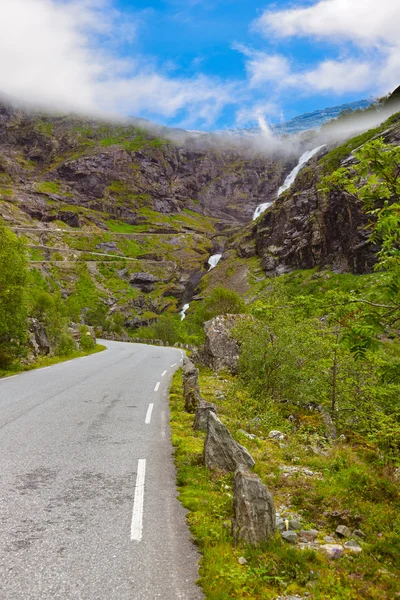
289, 536
280, 524
343, 531
294, 524
191, 390
242, 560
221, 350
360, 534
276, 435
254, 510
353, 546
221, 451
308, 535
39, 341
329, 539
201, 415
332, 550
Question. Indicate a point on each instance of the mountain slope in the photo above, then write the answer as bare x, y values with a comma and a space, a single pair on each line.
118, 218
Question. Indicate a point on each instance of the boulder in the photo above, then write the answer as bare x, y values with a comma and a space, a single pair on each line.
201, 414
192, 400
221, 451
221, 350
191, 390
254, 510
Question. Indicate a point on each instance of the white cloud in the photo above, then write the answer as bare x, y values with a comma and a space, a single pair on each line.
369, 29
62, 55
363, 21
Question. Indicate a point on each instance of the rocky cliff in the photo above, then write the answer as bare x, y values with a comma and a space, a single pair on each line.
306, 228
118, 215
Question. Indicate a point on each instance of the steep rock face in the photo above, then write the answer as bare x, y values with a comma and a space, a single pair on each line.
121, 169
306, 228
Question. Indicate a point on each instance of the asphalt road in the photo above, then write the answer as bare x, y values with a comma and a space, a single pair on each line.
88, 506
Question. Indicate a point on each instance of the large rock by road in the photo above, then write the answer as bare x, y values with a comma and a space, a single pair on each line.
221, 451
254, 509
221, 350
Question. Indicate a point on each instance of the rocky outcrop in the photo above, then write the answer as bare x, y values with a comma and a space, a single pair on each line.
38, 341
221, 451
254, 519
306, 228
221, 350
144, 281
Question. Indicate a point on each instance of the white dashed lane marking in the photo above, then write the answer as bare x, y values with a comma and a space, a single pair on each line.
137, 513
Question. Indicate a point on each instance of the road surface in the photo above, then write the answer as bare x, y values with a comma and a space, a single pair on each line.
88, 506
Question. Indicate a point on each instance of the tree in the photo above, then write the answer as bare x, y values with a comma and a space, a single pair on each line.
13, 308
375, 182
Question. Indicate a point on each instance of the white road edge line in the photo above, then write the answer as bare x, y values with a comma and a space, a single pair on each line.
165, 372
137, 513
148, 415
157, 386
174, 365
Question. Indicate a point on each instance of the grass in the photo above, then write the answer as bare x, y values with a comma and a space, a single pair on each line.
352, 486
47, 361
49, 187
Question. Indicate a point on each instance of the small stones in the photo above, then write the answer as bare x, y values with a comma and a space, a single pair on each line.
277, 435
294, 524
280, 524
289, 536
307, 535
360, 534
353, 546
329, 539
242, 561
343, 531
292, 470
332, 551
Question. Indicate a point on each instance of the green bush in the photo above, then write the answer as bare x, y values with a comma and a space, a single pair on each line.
13, 301
86, 340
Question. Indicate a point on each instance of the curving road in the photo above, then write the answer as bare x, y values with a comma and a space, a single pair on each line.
88, 506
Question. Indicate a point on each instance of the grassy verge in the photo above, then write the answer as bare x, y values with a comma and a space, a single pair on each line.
47, 361
350, 485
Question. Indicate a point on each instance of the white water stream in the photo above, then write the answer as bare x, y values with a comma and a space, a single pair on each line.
303, 160
214, 260
184, 311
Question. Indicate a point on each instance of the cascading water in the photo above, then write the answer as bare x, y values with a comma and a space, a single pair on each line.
214, 260
260, 209
184, 311
303, 160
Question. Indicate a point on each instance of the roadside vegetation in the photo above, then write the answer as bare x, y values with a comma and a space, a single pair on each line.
320, 362
26, 297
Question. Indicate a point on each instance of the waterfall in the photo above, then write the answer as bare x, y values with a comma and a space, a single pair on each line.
214, 260
260, 209
184, 311
303, 160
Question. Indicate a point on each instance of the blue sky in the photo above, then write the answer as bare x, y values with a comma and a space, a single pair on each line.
198, 64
